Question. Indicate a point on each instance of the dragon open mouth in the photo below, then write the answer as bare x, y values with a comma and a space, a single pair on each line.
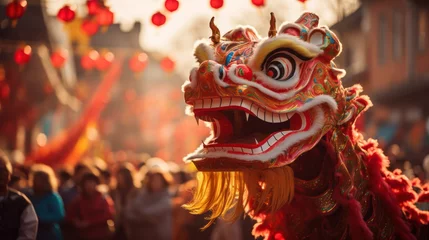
241, 127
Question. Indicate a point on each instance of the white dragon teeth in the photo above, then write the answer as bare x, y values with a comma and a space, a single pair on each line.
258, 149
261, 113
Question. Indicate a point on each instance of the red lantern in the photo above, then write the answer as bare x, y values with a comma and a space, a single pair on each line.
130, 95
171, 5
303, 1
138, 62
4, 91
105, 61
48, 88
105, 17
90, 27
258, 3
66, 14
15, 9
23, 55
158, 19
88, 61
167, 64
216, 4
58, 58
93, 6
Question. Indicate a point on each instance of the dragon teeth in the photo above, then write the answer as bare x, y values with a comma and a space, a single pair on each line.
254, 109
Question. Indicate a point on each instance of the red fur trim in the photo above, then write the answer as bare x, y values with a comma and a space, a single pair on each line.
377, 163
357, 226
424, 197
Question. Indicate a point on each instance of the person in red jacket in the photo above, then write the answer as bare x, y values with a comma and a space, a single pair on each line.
91, 213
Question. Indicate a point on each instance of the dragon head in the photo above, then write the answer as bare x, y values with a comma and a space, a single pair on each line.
267, 100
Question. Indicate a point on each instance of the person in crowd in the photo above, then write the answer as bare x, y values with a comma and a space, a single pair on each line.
91, 213
126, 189
149, 214
65, 180
18, 220
47, 202
71, 191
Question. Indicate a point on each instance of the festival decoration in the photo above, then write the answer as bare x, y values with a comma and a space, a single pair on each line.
138, 62
88, 61
4, 91
66, 14
68, 146
104, 61
93, 6
89, 26
283, 145
58, 58
302, 1
167, 64
15, 10
171, 5
105, 17
216, 4
158, 19
258, 3
23, 55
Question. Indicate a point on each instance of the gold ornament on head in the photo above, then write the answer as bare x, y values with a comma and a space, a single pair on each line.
215, 32
273, 31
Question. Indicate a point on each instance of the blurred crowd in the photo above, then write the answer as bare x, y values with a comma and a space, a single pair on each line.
94, 201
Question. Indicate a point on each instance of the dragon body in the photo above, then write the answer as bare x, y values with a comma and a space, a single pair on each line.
283, 148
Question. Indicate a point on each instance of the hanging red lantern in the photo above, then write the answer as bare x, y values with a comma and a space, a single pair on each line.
66, 14
167, 64
138, 62
258, 3
105, 17
23, 55
158, 19
93, 6
105, 61
130, 95
47, 88
89, 27
216, 4
58, 58
88, 61
171, 5
15, 9
4, 91
302, 1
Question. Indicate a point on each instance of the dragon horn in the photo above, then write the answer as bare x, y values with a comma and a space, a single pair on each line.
215, 32
273, 31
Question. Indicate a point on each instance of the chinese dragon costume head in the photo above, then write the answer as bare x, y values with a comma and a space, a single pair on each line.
283, 147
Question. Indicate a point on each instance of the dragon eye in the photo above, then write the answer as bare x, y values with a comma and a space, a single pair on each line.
280, 66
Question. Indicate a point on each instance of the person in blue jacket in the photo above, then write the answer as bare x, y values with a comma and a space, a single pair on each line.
47, 202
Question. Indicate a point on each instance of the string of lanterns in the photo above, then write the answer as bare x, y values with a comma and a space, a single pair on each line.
100, 15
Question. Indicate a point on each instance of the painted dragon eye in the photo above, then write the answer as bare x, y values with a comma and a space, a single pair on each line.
280, 66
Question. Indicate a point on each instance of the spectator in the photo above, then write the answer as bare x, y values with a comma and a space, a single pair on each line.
149, 214
18, 220
47, 202
71, 191
91, 213
65, 180
124, 192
